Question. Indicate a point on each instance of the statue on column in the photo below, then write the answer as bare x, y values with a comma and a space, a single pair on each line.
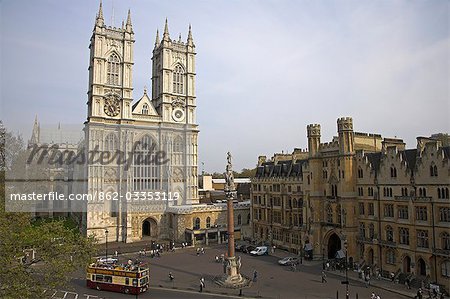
229, 176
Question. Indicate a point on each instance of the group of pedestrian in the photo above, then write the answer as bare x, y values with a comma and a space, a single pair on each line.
374, 296
184, 244
200, 251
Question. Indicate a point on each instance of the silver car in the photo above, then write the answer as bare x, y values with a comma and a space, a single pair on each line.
287, 261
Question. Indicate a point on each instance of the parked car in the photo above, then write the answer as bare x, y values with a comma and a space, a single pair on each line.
248, 249
261, 250
240, 247
287, 261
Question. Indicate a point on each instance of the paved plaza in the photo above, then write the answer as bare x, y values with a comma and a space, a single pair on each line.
273, 281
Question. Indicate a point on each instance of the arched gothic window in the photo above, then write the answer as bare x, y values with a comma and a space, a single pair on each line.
339, 214
111, 143
145, 171
371, 231
433, 170
389, 233
445, 241
393, 172
177, 158
113, 70
239, 219
329, 214
145, 109
360, 173
208, 222
196, 224
178, 79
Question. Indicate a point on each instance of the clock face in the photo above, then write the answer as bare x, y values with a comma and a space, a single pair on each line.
112, 106
178, 114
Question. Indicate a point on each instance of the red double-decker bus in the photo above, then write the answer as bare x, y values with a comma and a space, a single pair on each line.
130, 278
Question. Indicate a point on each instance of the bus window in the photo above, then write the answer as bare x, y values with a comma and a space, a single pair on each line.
143, 281
135, 281
108, 279
127, 281
99, 277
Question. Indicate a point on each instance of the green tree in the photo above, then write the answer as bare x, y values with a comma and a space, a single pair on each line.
60, 250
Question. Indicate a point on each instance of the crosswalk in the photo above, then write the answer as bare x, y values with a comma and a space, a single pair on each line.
58, 294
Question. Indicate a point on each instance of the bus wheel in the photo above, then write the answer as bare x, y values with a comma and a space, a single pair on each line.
127, 291
98, 288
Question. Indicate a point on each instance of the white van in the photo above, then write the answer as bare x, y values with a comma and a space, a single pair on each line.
261, 250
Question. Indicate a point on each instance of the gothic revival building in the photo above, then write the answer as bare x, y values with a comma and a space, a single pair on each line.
159, 125
138, 154
389, 205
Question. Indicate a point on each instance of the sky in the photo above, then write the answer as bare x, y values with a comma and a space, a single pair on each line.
265, 69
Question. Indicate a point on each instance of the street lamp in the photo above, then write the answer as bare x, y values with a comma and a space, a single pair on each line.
323, 257
346, 269
106, 245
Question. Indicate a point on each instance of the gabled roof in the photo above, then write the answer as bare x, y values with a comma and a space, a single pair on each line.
410, 156
374, 159
137, 107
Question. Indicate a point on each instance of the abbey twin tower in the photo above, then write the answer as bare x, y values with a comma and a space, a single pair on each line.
160, 126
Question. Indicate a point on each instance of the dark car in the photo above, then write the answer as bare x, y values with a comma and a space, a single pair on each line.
248, 249
239, 247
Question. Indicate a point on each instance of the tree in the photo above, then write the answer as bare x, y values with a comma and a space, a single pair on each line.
247, 173
60, 250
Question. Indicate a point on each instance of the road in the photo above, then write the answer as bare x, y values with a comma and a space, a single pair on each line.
273, 281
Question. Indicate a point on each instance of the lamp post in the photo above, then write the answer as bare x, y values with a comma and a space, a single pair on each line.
323, 257
346, 269
106, 245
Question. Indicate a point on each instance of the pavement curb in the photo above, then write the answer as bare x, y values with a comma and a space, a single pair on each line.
399, 292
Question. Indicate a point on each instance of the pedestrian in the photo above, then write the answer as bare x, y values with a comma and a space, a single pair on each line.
202, 250
202, 284
392, 276
171, 276
419, 294
116, 253
408, 283
373, 296
367, 280
198, 251
255, 276
327, 265
203, 281
324, 277
378, 297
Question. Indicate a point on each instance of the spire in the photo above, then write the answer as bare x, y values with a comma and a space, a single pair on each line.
190, 40
35, 134
166, 32
128, 26
157, 38
100, 21
129, 17
179, 38
100, 11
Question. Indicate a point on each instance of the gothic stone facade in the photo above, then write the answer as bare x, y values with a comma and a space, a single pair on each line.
390, 204
166, 122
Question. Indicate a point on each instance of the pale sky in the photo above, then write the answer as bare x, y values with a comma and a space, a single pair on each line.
265, 69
